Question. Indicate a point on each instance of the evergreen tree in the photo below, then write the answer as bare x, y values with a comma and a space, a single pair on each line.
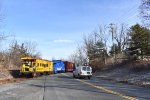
139, 40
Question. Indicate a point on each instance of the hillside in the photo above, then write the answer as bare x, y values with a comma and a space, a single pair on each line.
136, 73
5, 74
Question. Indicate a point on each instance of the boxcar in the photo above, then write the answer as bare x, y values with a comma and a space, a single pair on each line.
58, 66
69, 66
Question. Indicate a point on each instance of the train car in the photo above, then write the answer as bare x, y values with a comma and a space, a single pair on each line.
69, 66
49, 67
35, 67
44, 66
27, 66
58, 66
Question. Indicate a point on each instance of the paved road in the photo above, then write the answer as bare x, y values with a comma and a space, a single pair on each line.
64, 87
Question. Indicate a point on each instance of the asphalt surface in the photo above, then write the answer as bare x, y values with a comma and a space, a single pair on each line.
65, 87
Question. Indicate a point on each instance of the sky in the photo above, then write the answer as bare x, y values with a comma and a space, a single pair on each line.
58, 26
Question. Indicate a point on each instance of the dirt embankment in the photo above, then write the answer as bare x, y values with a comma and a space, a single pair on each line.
136, 73
5, 74
10, 75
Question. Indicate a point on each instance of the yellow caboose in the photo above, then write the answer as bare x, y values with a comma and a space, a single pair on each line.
35, 67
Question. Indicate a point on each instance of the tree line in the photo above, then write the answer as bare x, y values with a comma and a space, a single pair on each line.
10, 57
126, 44
114, 44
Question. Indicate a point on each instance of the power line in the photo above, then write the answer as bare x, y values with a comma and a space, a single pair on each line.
126, 16
129, 11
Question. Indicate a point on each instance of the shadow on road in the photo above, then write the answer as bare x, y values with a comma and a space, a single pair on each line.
65, 77
66, 87
84, 88
65, 82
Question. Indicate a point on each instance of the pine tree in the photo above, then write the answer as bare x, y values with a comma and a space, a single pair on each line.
140, 40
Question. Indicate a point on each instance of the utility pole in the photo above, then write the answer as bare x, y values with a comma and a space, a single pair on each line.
112, 30
105, 53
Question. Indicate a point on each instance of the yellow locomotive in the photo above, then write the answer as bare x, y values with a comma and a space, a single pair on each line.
35, 67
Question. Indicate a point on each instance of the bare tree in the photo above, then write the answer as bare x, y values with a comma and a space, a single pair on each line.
18, 50
79, 56
95, 44
2, 37
30, 47
145, 12
121, 36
